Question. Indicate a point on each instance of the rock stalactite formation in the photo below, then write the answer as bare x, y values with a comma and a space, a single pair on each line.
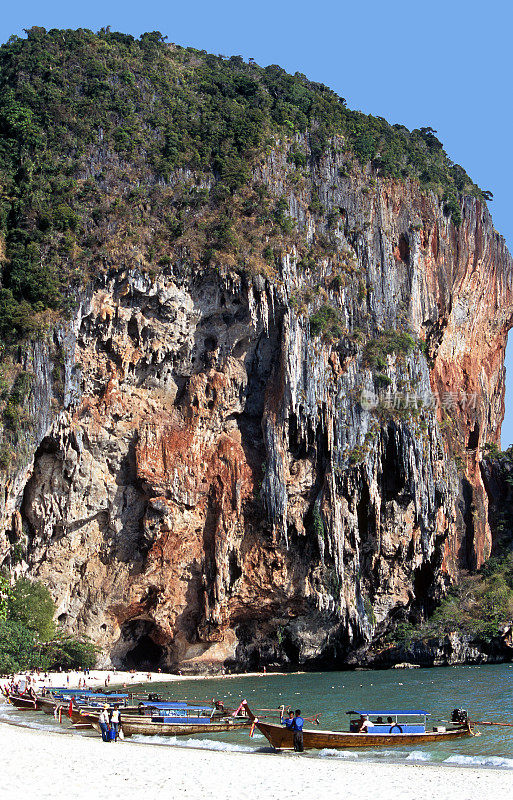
247, 470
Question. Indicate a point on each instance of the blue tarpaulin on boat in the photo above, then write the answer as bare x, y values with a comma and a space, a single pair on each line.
152, 704
175, 705
172, 720
391, 712
89, 693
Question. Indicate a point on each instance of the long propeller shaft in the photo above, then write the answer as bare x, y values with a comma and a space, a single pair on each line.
500, 724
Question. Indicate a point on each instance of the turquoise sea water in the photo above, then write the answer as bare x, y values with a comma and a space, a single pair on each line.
485, 691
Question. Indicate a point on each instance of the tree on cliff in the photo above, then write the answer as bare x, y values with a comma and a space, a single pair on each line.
31, 606
28, 634
18, 648
5, 589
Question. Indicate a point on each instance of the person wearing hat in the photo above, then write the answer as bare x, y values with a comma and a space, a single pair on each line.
115, 722
103, 719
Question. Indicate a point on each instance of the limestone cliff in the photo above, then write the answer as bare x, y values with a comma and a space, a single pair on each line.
255, 439
224, 487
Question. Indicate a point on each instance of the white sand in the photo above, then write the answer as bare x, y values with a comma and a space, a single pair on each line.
96, 678
52, 766
118, 679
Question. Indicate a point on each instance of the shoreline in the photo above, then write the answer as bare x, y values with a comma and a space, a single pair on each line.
48, 763
110, 679
206, 766
355, 756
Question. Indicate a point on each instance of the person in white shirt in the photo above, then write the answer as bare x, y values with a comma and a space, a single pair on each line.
364, 724
115, 721
103, 719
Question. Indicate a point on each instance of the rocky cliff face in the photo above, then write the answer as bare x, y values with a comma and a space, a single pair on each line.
451, 649
268, 469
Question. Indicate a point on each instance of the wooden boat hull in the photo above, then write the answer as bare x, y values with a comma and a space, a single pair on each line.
283, 739
47, 704
139, 727
26, 703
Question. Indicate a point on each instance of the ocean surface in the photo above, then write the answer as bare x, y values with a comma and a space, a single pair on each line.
485, 691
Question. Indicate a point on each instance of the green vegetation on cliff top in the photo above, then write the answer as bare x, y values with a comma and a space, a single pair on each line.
95, 128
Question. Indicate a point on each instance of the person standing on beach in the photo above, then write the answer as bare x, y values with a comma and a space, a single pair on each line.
103, 719
115, 721
297, 727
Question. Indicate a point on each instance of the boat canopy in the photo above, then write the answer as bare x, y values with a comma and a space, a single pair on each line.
153, 704
105, 697
95, 695
391, 712
149, 704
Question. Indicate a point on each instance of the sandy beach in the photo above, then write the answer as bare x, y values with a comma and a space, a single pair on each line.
96, 678
66, 764
115, 679
54, 765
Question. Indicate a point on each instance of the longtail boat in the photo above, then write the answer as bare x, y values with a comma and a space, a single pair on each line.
26, 702
171, 719
69, 699
132, 726
386, 728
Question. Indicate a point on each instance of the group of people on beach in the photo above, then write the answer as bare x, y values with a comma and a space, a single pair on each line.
110, 722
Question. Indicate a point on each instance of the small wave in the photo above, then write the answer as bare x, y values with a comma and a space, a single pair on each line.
25, 722
480, 761
418, 755
27, 719
202, 744
395, 754
330, 753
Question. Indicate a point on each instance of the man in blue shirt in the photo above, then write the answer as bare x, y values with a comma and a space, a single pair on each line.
297, 727
289, 723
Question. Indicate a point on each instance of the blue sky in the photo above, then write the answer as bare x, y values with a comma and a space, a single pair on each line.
444, 64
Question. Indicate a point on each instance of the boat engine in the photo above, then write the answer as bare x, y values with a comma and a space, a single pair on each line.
460, 716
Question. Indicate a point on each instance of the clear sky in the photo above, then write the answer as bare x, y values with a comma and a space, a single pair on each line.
443, 63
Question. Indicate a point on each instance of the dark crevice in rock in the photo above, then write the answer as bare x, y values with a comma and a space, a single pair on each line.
473, 439
142, 652
468, 558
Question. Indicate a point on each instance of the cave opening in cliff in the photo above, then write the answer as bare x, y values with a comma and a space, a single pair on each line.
393, 476
467, 552
473, 439
404, 248
143, 652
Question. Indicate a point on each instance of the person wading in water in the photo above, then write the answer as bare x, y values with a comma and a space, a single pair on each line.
297, 727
